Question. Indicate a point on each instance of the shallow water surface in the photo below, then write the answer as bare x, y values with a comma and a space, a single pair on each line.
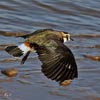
77, 17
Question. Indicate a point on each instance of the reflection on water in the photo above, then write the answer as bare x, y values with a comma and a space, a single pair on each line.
77, 17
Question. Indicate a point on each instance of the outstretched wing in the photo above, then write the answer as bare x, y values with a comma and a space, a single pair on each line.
57, 64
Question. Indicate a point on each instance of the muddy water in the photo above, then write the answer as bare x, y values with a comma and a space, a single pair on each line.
77, 17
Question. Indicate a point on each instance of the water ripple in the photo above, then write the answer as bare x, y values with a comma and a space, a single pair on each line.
81, 18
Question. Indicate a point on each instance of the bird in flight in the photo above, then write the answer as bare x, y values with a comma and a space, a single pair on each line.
58, 62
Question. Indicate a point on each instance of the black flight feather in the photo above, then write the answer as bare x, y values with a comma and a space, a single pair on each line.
25, 57
58, 64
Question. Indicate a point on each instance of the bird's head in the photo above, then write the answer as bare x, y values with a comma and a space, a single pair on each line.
66, 36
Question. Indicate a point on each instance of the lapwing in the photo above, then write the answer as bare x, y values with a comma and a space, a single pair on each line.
58, 61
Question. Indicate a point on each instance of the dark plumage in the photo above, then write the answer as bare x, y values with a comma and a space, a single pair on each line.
58, 62
14, 50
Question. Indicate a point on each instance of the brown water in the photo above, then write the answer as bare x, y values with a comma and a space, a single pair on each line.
74, 16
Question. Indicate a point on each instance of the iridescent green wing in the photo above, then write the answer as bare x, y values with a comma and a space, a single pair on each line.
37, 32
58, 63
44, 39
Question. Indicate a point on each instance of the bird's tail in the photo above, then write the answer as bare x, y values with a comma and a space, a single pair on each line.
17, 51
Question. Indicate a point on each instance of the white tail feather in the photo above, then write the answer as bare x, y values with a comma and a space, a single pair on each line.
24, 48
